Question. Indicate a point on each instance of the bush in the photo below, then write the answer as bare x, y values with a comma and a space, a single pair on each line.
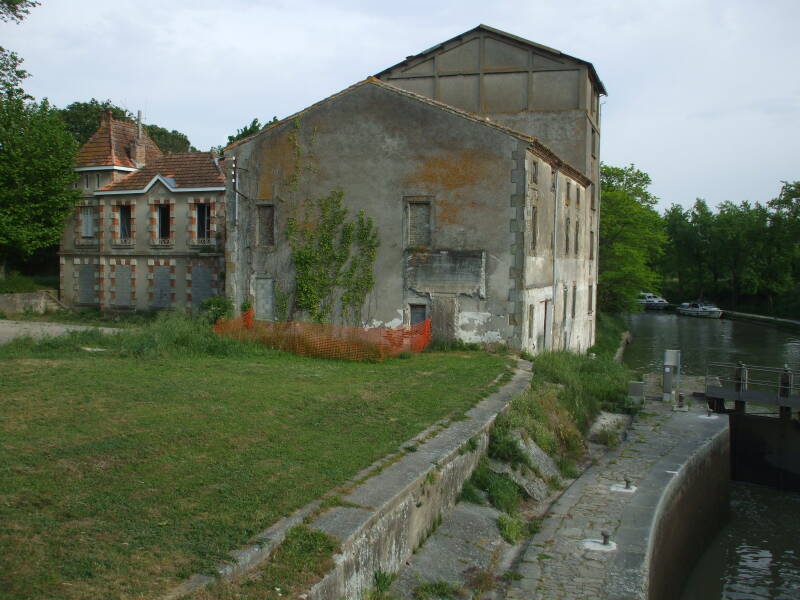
216, 308
503, 446
14, 283
511, 528
503, 493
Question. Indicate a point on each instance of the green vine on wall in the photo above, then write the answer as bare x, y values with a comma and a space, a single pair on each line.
322, 244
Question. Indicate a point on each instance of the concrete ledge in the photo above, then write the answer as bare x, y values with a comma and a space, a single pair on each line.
778, 322
399, 508
39, 302
676, 512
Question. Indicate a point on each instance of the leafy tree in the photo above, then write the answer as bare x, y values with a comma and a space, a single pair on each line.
16, 10
83, 118
36, 177
254, 127
11, 74
631, 238
169, 141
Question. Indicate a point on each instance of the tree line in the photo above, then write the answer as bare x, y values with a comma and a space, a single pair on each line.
742, 256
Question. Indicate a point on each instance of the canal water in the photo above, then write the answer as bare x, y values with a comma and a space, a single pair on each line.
757, 554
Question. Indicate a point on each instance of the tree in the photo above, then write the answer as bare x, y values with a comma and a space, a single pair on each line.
254, 127
16, 10
83, 118
11, 74
169, 141
631, 238
36, 177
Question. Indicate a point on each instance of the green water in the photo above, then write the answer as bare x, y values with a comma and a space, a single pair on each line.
757, 554
707, 340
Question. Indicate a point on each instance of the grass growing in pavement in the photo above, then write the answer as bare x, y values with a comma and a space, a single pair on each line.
125, 471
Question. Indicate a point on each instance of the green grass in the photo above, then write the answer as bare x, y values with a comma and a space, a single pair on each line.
511, 528
436, 590
123, 472
92, 317
609, 330
304, 556
503, 493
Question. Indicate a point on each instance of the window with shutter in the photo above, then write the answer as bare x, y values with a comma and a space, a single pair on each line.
87, 222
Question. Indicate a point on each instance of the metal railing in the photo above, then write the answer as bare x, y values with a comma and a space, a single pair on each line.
769, 386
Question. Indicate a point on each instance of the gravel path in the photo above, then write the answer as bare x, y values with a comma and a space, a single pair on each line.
14, 329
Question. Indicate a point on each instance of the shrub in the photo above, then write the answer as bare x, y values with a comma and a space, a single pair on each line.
511, 528
217, 307
503, 493
503, 446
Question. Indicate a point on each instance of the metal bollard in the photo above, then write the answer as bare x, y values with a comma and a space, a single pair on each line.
627, 483
606, 536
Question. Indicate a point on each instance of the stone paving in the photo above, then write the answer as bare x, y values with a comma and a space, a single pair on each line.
561, 562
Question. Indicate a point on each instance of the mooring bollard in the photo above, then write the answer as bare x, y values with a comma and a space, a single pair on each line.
627, 483
740, 380
606, 536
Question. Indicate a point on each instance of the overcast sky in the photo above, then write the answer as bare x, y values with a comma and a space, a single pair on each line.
703, 95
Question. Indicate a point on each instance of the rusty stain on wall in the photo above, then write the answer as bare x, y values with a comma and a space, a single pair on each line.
456, 169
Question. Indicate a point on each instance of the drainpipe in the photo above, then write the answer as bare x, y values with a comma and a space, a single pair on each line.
555, 253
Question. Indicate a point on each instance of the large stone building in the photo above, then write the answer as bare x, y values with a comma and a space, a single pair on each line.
484, 227
148, 230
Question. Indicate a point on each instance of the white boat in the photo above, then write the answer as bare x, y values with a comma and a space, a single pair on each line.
652, 302
699, 309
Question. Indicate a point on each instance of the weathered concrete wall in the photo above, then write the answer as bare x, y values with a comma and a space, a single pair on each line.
38, 302
384, 149
766, 450
692, 509
388, 152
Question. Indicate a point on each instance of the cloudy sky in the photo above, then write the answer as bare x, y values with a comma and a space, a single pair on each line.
703, 94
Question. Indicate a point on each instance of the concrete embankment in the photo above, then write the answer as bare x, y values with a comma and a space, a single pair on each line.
678, 467
776, 321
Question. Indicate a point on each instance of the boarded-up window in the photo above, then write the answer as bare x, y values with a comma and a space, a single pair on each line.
577, 196
419, 224
591, 298
564, 307
591, 245
87, 222
266, 225
574, 296
534, 228
577, 236
569, 193
592, 193
566, 237
535, 172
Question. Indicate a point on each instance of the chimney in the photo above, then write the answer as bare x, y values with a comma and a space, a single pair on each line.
138, 154
105, 117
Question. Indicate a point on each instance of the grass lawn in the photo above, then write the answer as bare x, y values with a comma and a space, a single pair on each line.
123, 472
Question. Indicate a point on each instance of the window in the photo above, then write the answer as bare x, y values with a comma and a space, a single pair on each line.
419, 224
417, 313
534, 228
163, 222
530, 321
591, 298
574, 295
592, 197
535, 171
203, 221
86, 181
87, 222
97, 180
553, 177
564, 307
577, 236
566, 237
125, 222
595, 142
577, 196
266, 225
591, 245
569, 192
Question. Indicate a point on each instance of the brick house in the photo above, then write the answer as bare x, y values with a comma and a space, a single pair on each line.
148, 232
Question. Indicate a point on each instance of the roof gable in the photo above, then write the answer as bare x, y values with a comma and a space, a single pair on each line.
110, 145
507, 51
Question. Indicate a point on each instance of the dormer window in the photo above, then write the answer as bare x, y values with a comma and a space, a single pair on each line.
164, 224
203, 219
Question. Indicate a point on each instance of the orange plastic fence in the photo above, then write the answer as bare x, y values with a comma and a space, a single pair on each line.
328, 341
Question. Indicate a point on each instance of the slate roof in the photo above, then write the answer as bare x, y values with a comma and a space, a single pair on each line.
182, 170
110, 145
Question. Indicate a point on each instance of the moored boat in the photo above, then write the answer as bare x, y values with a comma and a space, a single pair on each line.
652, 302
699, 309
